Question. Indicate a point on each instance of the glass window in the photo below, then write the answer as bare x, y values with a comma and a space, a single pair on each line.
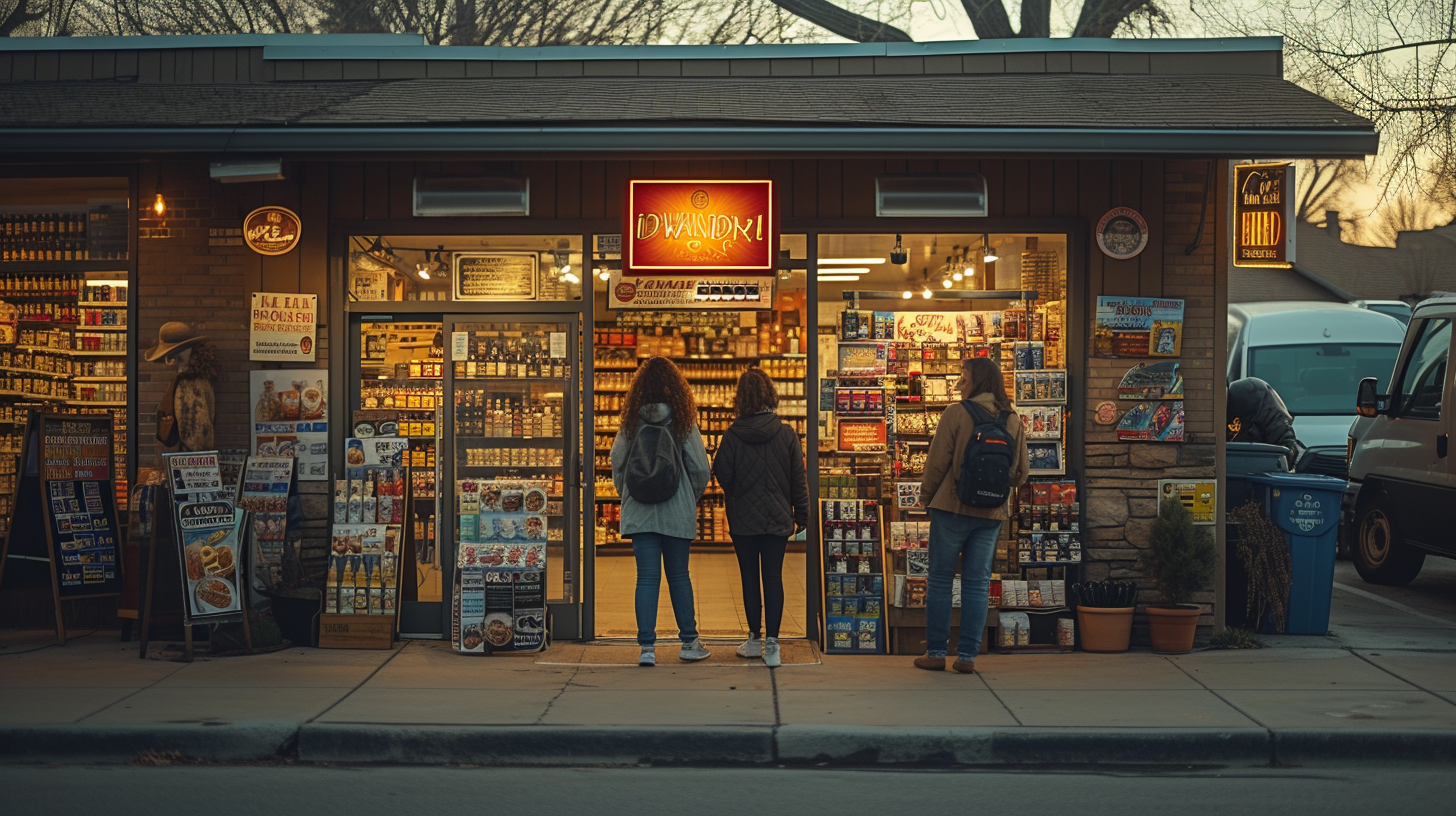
1321, 378
465, 268
1423, 385
64, 219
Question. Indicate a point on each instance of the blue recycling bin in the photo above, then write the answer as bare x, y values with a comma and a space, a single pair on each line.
1307, 509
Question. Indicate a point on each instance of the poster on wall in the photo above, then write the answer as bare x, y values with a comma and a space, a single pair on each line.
1152, 422
688, 292
283, 327
1138, 327
862, 436
291, 418
495, 275
930, 327
1152, 381
1197, 496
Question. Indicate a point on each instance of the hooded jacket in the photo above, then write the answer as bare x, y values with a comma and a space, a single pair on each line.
1257, 414
760, 466
948, 449
678, 516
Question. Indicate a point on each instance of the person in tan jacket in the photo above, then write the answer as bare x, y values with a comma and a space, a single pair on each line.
959, 531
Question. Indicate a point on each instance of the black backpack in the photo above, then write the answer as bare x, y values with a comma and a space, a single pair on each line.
985, 478
654, 464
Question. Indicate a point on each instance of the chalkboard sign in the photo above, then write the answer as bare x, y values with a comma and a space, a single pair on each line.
78, 493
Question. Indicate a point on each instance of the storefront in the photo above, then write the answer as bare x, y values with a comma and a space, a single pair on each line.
475, 304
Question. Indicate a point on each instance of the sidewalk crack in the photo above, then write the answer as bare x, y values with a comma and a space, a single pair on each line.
360, 684
549, 703
1273, 758
999, 700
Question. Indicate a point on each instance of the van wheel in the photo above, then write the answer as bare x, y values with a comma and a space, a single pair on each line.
1381, 556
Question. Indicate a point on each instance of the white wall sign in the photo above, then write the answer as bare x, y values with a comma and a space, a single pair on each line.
283, 327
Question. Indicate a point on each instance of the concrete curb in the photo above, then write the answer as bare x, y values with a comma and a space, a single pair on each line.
116, 744
1307, 746
534, 745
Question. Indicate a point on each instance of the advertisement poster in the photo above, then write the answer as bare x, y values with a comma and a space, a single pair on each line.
1197, 496
1152, 422
862, 436
502, 561
375, 452
208, 530
862, 359
266, 484
930, 327
291, 418
722, 226
76, 474
495, 275
1138, 327
1152, 381
283, 327
688, 291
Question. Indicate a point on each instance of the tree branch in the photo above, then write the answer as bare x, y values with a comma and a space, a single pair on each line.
1036, 18
19, 17
990, 20
846, 24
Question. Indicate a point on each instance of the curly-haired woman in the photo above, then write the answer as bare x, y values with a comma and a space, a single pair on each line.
760, 466
662, 532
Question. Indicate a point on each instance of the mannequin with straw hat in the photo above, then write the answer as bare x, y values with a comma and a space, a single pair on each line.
186, 413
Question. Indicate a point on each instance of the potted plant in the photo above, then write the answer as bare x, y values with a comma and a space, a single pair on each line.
1180, 557
1104, 614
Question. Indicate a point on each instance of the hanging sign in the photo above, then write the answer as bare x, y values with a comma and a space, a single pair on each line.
272, 230
627, 291
1138, 327
283, 327
495, 275
1263, 211
1122, 233
701, 226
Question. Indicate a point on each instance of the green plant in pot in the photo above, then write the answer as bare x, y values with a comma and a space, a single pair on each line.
1180, 557
1104, 614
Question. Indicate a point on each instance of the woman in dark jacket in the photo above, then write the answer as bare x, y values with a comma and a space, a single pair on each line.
760, 466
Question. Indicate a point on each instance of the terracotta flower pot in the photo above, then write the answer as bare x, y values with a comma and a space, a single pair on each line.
1105, 629
1171, 628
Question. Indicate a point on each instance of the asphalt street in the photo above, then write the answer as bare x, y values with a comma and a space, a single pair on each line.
1419, 616
389, 791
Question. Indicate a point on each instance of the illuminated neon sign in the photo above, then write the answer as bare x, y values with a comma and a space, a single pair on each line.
701, 226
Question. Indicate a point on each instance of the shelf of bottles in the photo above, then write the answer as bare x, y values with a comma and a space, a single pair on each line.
94, 233
712, 349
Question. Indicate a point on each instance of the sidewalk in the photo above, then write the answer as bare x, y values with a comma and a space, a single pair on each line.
93, 701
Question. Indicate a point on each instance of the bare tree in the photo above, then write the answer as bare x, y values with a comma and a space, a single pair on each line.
1401, 213
37, 18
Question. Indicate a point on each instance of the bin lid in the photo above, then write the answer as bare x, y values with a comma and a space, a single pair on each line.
1298, 481
1256, 448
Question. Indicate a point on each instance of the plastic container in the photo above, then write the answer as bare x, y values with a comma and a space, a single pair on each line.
1244, 459
1307, 509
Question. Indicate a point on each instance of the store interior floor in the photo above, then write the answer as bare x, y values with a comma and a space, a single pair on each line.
717, 596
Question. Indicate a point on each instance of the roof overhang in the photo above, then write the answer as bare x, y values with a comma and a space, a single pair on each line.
1302, 143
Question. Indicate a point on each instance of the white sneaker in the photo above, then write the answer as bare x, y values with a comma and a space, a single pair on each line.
649, 656
751, 648
694, 651
771, 653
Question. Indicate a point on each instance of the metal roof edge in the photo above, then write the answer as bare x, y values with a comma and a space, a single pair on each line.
1306, 143
1323, 283
171, 41
418, 51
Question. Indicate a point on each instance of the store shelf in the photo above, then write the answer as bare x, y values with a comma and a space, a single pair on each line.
511, 441
96, 379
97, 353
117, 265
107, 304
84, 327
52, 374
95, 404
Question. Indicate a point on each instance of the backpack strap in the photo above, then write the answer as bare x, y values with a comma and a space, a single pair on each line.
980, 415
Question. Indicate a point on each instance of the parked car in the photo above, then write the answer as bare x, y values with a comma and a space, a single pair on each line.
1398, 309
1314, 354
1400, 501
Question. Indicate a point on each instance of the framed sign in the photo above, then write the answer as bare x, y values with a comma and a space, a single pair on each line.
1263, 211
1137, 327
862, 436
283, 327
79, 494
1197, 496
701, 226
1122, 233
495, 275
272, 230
208, 529
689, 292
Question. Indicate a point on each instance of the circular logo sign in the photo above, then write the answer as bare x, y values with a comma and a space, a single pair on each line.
272, 230
305, 345
626, 291
700, 198
1106, 413
1122, 233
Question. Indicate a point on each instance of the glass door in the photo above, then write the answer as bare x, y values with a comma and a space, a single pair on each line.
513, 491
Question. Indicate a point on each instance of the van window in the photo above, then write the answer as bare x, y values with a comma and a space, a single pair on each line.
1423, 384
1321, 378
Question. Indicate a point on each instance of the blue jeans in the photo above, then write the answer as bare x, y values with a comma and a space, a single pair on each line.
653, 552
973, 541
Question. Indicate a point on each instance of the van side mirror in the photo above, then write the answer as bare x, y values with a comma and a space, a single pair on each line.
1368, 403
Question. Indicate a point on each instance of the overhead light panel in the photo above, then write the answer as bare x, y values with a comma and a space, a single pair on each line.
848, 270
823, 261
823, 278
229, 171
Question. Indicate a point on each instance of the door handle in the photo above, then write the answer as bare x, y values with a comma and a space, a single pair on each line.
1442, 442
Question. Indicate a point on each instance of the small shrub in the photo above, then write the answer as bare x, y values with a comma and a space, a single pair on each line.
1235, 638
1180, 555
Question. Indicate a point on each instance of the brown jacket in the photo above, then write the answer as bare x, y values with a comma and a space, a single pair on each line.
948, 448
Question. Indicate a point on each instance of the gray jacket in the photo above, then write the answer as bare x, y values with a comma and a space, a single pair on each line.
678, 516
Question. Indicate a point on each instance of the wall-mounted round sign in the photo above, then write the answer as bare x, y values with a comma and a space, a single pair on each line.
1122, 233
272, 230
1106, 413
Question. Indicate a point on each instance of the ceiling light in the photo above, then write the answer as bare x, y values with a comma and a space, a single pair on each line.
926, 293
605, 274
568, 276
423, 270
849, 270
945, 282
958, 275
851, 260
823, 278
990, 254
906, 294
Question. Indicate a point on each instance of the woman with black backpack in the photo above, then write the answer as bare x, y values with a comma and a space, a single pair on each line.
977, 457
760, 466
660, 468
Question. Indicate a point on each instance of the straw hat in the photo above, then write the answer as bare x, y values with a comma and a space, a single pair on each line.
173, 336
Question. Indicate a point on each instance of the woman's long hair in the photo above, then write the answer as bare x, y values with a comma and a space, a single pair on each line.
755, 394
984, 377
658, 380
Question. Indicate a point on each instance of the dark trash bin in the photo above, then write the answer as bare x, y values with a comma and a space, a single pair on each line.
1307, 509
1242, 460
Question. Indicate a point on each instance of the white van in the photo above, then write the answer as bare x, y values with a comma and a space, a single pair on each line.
1314, 354
1400, 501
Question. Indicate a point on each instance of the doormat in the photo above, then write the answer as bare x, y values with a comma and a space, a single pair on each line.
792, 653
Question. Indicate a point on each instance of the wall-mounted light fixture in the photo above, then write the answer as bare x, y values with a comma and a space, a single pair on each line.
159, 204
471, 196
905, 196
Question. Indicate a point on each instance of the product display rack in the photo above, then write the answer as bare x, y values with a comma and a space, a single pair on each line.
851, 532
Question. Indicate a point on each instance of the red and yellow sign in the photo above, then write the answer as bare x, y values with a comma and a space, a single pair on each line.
701, 226
863, 436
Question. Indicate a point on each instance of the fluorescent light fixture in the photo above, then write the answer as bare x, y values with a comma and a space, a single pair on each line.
229, 171
471, 195
823, 278
851, 260
848, 270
